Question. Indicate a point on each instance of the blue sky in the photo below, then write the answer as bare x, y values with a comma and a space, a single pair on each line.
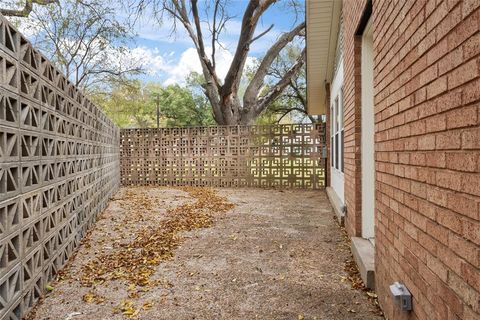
169, 58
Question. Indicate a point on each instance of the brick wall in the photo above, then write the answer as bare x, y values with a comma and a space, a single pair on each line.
328, 139
59, 164
352, 12
427, 132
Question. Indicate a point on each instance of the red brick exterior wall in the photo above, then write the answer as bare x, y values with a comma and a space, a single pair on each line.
427, 133
328, 140
352, 12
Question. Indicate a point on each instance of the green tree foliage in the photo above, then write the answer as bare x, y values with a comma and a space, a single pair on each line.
224, 95
181, 108
127, 104
87, 40
291, 105
132, 104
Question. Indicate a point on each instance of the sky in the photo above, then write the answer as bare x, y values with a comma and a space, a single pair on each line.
169, 58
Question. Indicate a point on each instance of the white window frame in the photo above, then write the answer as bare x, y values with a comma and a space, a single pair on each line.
337, 133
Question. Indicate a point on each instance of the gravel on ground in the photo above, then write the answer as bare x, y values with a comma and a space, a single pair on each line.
277, 254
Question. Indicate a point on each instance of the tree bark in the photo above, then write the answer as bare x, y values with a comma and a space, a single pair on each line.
26, 9
227, 107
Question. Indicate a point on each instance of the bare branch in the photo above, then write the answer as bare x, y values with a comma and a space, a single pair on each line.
214, 31
287, 111
201, 46
252, 14
277, 89
26, 9
252, 91
262, 34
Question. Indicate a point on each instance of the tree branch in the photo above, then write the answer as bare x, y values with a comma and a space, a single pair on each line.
277, 89
214, 31
262, 34
201, 45
250, 19
253, 89
287, 111
196, 19
298, 94
26, 9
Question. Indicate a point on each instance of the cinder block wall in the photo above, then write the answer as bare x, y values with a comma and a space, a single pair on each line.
59, 164
427, 132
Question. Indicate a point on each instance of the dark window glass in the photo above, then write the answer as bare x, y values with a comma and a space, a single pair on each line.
337, 149
332, 148
341, 144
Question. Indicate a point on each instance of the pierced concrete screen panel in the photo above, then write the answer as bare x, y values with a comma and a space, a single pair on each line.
279, 156
59, 161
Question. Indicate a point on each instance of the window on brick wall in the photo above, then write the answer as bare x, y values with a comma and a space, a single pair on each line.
341, 129
337, 137
337, 132
332, 133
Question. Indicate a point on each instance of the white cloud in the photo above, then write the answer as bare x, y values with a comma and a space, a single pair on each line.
177, 71
187, 63
150, 59
190, 62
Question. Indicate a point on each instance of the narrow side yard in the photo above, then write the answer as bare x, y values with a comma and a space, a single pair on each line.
194, 253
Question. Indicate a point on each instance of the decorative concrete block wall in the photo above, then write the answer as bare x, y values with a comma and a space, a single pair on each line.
59, 165
279, 156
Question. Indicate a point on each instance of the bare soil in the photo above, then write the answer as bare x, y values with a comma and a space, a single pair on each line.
275, 255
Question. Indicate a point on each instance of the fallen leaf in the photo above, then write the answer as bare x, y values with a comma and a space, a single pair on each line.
128, 309
88, 297
147, 305
134, 261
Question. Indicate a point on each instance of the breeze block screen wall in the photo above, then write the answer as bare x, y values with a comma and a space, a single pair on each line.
279, 156
59, 164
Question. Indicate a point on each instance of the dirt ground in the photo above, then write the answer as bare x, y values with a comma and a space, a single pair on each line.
275, 255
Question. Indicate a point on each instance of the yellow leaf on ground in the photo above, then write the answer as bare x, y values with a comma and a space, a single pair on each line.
147, 305
88, 297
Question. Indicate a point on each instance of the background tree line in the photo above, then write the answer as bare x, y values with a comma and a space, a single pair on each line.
89, 43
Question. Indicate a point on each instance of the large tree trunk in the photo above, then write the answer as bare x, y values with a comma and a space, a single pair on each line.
227, 107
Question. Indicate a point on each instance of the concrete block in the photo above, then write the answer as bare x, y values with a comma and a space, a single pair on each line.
337, 205
364, 254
